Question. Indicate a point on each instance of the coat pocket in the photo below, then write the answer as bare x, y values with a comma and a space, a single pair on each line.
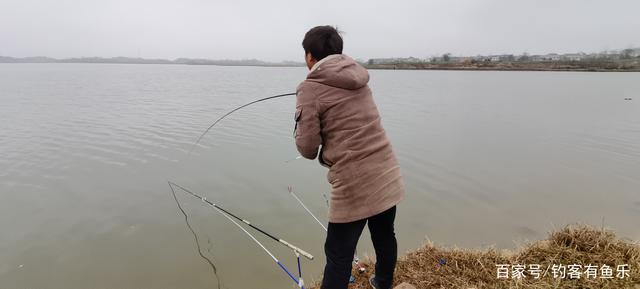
344, 174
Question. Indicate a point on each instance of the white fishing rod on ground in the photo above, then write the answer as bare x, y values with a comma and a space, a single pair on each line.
356, 260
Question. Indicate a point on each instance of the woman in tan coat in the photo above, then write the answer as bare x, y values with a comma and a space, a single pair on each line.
336, 113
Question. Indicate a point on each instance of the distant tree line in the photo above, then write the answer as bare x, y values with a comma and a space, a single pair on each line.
130, 60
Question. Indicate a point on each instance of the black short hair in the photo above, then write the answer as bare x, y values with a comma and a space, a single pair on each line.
322, 41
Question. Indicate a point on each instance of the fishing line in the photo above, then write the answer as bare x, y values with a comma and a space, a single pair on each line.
195, 236
230, 216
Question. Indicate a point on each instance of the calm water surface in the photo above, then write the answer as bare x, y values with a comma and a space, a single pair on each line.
489, 158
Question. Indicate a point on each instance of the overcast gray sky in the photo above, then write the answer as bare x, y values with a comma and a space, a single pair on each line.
273, 30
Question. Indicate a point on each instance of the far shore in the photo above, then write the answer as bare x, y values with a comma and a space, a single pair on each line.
509, 67
592, 65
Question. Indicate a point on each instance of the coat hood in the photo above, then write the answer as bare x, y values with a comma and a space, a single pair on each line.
339, 70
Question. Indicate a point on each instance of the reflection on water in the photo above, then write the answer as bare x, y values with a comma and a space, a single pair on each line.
488, 158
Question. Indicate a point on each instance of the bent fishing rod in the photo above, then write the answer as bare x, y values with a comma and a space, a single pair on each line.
223, 210
232, 111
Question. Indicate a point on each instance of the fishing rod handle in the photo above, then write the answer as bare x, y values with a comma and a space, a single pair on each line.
296, 249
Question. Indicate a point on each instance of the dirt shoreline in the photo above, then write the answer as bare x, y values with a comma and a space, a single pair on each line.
433, 266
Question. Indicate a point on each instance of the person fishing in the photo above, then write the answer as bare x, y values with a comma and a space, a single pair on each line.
337, 120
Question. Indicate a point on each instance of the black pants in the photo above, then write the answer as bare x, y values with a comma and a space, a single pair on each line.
341, 242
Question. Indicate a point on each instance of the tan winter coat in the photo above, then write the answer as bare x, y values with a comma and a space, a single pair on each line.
335, 110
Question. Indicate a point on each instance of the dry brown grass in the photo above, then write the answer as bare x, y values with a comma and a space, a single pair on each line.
465, 268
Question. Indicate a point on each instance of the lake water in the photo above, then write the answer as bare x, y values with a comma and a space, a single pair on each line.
489, 158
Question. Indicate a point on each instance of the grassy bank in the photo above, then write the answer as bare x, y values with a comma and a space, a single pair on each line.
436, 267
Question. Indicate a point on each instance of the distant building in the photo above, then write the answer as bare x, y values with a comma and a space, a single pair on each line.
535, 58
573, 56
631, 52
546, 57
460, 59
395, 60
499, 58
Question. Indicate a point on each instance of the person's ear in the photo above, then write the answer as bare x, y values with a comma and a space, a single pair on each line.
309, 60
